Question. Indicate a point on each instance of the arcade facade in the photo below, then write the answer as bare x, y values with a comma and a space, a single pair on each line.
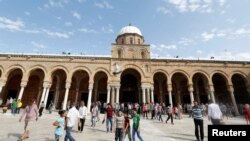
129, 75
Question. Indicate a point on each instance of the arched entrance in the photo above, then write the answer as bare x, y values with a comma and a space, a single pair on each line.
100, 87
57, 90
240, 89
130, 86
160, 88
34, 86
200, 84
12, 87
81, 78
221, 93
180, 89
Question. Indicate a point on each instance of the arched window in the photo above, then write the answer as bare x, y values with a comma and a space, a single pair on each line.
139, 41
131, 40
143, 55
122, 41
119, 53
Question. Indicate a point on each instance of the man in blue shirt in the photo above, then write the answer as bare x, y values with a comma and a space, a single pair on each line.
198, 121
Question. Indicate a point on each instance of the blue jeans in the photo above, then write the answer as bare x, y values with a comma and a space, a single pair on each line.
109, 120
138, 134
68, 134
118, 134
93, 120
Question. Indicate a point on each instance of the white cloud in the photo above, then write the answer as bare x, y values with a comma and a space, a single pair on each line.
76, 15
163, 10
11, 25
37, 45
108, 29
163, 47
55, 3
56, 34
68, 24
59, 18
185, 41
207, 36
85, 30
203, 6
103, 4
240, 56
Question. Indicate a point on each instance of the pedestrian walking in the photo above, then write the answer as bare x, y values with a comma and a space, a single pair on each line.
19, 105
170, 114
198, 121
136, 125
119, 124
71, 119
60, 125
214, 113
109, 113
41, 108
30, 114
127, 130
83, 115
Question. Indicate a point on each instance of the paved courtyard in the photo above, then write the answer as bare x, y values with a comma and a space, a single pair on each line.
43, 130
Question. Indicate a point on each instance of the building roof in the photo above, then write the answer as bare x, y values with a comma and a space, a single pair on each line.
130, 29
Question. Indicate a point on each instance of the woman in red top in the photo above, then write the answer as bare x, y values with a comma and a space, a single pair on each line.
246, 113
127, 130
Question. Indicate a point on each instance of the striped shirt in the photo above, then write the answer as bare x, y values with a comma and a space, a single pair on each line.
197, 112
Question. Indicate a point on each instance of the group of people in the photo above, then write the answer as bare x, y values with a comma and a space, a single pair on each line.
119, 122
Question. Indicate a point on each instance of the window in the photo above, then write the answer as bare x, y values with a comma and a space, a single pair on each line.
122, 41
139, 41
131, 40
119, 54
142, 55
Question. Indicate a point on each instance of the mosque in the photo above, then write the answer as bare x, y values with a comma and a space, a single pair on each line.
128, 75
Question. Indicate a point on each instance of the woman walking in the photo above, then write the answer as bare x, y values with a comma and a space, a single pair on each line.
30, 114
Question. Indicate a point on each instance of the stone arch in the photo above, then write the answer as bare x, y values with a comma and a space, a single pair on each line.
221, 85
160, 70
240, 73
130, 81
103, 70
29, 71
160, 80
182, 72
180, 87
100, 86
200, 81
225, 76
55, 68
1, 71
13, 67
79, 68
137, 68
239, 83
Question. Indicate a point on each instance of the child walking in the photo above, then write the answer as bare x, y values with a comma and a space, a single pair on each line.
60, 123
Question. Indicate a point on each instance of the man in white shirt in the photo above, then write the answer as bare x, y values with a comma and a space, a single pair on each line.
83, 114
71, 119
214, 113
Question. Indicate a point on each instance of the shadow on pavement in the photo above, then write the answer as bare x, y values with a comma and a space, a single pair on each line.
17, 135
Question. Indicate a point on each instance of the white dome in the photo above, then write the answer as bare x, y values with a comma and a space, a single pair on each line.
130, 29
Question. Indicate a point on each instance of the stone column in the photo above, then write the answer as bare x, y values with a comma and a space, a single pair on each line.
152, 95
112, 95
143, 95
77, 93
43, 94
108, 94
67, 86
90, 96
231, 90
117, 94
170, 96
56, 97
191, 90
46, 96
212, 93
23, 85
1, 87
148, 95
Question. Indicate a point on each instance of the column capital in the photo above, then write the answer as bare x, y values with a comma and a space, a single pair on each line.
46, 84
230, 88
24, 83
67, 84
211, 87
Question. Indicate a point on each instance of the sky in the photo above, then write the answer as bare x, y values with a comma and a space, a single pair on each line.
189, 29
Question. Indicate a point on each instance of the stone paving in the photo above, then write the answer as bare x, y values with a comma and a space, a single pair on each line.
43, 130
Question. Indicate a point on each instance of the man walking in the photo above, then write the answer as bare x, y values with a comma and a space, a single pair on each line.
198, 121
71, 119
214, 113
136, 125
